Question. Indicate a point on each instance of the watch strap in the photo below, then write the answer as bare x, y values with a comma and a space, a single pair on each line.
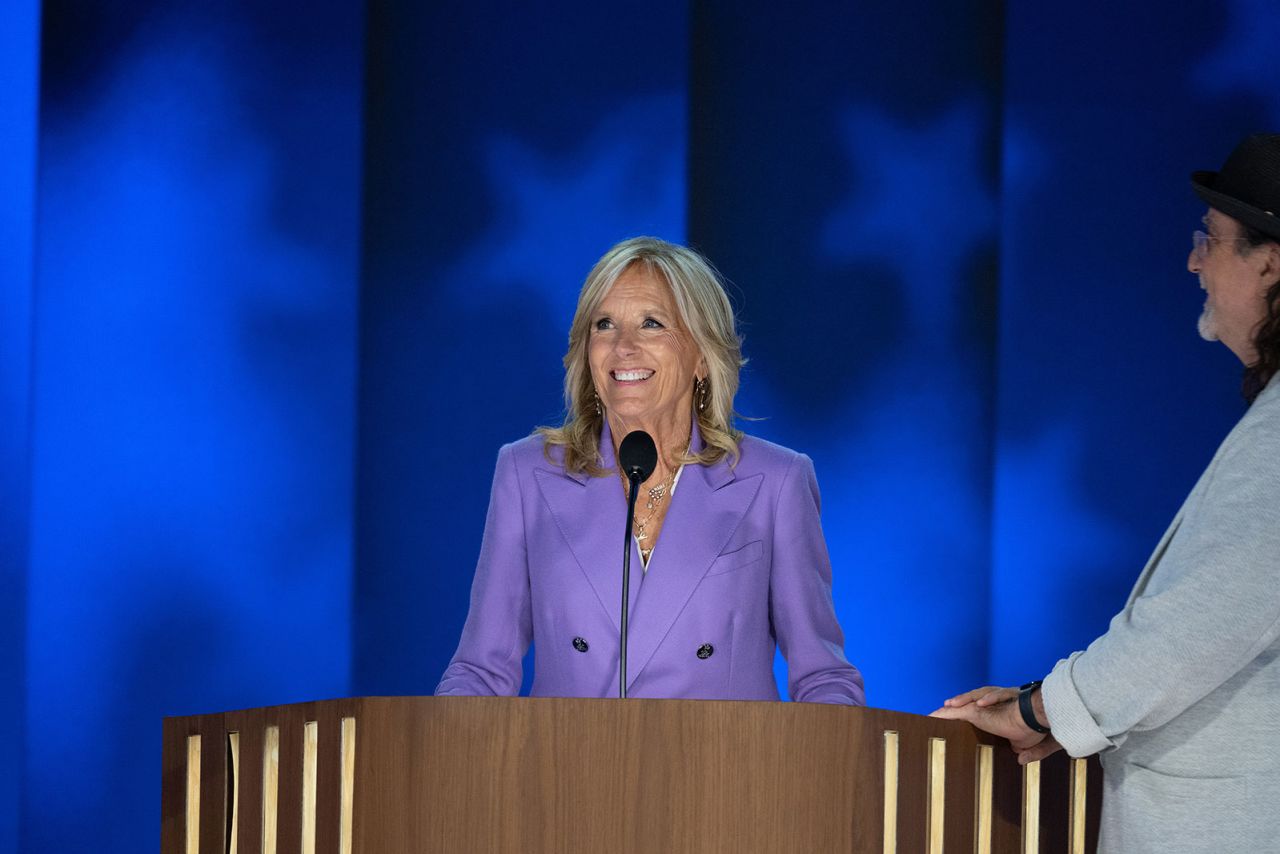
1024, 706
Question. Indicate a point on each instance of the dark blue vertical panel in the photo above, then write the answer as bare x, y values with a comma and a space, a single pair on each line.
193, 388
843, 175
19, 50
506, 149
1109, 404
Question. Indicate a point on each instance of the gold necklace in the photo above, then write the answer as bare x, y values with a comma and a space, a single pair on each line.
656, 494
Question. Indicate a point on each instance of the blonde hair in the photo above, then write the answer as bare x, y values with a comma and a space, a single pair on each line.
705, 312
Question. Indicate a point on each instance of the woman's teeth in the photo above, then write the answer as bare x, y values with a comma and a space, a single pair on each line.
631, 376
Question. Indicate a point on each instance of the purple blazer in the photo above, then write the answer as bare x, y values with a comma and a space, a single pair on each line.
740, 568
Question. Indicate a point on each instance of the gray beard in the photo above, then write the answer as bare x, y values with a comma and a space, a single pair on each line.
1206, 325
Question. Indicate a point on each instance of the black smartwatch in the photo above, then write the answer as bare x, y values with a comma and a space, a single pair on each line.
1024, 706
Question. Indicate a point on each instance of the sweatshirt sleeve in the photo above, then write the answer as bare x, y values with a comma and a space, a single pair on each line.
1209, 607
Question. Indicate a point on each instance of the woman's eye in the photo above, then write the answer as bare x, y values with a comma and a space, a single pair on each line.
603, 324
650, 323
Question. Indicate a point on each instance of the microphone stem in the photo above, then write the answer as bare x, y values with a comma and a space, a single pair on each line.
634, 480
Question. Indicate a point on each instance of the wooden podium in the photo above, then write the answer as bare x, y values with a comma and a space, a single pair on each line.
383, 775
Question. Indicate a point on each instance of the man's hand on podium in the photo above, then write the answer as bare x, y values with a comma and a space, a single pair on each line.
995, 710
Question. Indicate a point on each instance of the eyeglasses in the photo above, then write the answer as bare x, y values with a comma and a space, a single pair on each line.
1200, 242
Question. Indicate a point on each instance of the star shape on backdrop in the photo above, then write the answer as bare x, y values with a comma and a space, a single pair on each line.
920, 201
555, 214
1248, 57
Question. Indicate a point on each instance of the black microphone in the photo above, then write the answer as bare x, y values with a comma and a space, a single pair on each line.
637, 458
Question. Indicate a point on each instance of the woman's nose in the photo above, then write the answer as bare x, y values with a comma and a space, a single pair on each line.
625, 342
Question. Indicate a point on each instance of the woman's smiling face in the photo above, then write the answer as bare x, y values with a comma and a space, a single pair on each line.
643, 361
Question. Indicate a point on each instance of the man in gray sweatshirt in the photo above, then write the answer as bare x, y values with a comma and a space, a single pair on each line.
1181, 696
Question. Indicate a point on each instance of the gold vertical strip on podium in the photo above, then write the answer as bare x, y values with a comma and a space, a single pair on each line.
1079, 803
310, 757
193, 794
890, 792
270, 787
983, 789
1031, 808
937, 793
233, 775
348, 785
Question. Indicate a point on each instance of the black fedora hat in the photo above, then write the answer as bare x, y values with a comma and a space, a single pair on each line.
1248, 186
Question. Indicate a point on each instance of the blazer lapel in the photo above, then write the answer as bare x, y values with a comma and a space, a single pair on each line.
1152, 562
1140, 585
705, 511
591, 513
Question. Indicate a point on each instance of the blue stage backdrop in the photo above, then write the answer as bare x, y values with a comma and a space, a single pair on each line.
194, 415
19, 58
279, 278
813, 178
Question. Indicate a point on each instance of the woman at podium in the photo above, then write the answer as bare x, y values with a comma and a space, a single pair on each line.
728, 561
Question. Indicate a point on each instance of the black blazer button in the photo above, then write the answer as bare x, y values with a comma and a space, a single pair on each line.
706, 650
580, 645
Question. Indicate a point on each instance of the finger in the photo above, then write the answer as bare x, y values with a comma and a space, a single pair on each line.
969, 696
965, 698
1046, 748
997, 695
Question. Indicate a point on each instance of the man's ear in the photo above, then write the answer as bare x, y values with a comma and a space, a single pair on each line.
1269, 272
